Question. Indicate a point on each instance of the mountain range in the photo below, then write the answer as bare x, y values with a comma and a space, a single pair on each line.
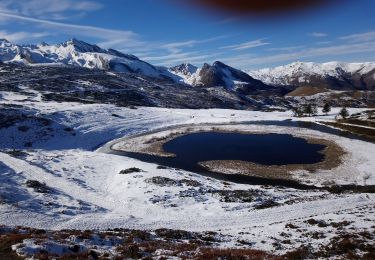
333, 75
75, 53
298, 79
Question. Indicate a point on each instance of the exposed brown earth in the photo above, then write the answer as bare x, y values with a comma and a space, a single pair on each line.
333, 158
154, 146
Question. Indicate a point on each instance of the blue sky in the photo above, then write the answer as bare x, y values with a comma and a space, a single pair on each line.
167, 32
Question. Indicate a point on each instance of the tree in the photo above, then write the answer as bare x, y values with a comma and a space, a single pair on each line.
344, 113
326, 108
297, 111
311, 109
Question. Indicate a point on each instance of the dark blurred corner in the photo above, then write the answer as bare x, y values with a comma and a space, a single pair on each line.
257, 8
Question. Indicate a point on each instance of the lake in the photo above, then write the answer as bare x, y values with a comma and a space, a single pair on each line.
265, 149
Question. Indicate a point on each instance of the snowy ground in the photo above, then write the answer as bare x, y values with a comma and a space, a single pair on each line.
86, 190
355, 169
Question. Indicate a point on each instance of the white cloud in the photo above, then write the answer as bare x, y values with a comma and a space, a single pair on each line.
156, 50
50, 9
324, 42
246, 45
172, 56
18, 37
169, 61
92, 31
176, 47
289, 48
336, 50
360, 37
317, 34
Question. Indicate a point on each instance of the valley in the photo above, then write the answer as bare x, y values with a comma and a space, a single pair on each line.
111, 160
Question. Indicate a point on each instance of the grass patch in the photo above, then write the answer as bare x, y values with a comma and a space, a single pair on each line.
358, 130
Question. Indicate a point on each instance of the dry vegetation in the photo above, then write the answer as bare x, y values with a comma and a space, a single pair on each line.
306, 91
136, 244
167, 243
368, 133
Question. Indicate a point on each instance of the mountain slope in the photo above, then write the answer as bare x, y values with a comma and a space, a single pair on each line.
76, 53
70, 84
216, 75
330, 75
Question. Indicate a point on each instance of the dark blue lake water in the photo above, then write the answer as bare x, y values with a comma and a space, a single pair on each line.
281, 153
266, 149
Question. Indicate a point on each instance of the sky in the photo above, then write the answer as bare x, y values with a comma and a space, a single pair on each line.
170, 32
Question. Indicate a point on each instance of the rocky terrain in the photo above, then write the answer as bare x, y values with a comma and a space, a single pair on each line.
88, 73
62, 107
330, 75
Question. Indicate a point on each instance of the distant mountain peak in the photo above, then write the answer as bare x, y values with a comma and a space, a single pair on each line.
43, 44
75, 41
219, 64
81, 46
215, 75
184, 68
4, 40
77, 53
334, 74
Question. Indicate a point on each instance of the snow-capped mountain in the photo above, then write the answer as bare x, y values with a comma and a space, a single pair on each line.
75, 53
217, 74
185, 73
184, 69
333, 75
295, 79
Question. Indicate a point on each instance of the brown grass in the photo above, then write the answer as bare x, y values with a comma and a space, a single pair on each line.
306, 91
6, 242
362, 131
354, 121
217, 253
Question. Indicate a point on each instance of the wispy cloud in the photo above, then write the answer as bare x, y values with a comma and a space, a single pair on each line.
51, 9
360, 37
158, 51
246, 61
317, 34
21, 36
198, 58
323, 42
92, 31
184, 55
246, 45
288, 48
176, 47
228, 20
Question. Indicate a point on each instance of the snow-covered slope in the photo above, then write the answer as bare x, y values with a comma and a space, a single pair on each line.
75, 53
186, 73
299, 73
217, 74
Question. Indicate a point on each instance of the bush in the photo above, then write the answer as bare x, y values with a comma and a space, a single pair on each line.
37, 186
297, 111
326, 108
310, 109
130, 170
344, 113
